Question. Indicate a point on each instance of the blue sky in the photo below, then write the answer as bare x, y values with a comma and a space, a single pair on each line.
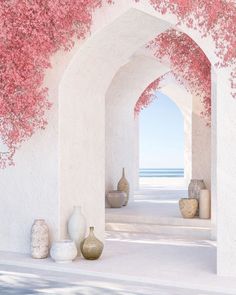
161, 137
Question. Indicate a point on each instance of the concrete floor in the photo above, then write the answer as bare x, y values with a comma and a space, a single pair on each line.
156, 211
132, 262
26, 281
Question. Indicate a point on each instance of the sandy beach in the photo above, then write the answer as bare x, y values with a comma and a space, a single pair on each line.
162, 182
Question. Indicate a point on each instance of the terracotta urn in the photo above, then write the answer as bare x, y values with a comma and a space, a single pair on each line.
123, 186
188, 207
39, 239
116, 199
91, 247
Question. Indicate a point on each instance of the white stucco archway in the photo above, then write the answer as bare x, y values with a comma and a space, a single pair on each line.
121, 128
74, 142
208, 48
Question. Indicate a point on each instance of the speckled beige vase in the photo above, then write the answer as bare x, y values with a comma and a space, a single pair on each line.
123, 186
39, 239
91, 247
188, 207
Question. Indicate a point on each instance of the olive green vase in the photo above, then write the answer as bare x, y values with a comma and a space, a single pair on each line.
91, 247
123, 186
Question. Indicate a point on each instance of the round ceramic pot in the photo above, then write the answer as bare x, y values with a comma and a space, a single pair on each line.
195, 187
116, 199
188, 207
91, 247
63, 251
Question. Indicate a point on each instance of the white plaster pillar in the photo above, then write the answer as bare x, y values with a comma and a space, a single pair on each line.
225, 108
201, 144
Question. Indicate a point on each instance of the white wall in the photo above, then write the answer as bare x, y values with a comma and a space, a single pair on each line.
201, 145
225, 166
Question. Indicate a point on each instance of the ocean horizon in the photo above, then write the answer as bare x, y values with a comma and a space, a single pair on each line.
161, 172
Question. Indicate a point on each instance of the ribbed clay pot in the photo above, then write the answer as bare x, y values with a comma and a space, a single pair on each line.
188, 207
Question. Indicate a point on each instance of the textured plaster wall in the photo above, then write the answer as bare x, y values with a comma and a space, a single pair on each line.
201, 145
29, 190
225, 174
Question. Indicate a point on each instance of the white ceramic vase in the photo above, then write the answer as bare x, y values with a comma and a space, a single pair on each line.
77, 227
205, 204
63, 251
39, 239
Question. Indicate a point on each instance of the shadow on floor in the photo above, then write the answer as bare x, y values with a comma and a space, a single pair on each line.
16, 280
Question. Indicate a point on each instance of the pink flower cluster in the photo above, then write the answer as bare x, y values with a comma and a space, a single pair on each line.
215, 18
188, 63
32, 30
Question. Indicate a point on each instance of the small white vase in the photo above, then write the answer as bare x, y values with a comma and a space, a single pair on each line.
77, 227
39, 239
205, 204
63, 251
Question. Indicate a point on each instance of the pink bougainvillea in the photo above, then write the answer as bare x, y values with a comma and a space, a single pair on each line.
32, 30
188, 63
148, 95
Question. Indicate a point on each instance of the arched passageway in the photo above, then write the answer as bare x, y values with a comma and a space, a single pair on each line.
79, 132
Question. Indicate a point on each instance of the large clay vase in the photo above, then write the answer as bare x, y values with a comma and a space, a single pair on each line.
39, 239
123, 186
194, 189
77, 227
91, 247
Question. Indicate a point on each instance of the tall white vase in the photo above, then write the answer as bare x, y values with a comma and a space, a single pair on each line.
77, 227
205, 204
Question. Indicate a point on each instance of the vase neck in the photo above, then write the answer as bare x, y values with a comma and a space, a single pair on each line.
39, 221
123, 172
77, 208
91, 230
